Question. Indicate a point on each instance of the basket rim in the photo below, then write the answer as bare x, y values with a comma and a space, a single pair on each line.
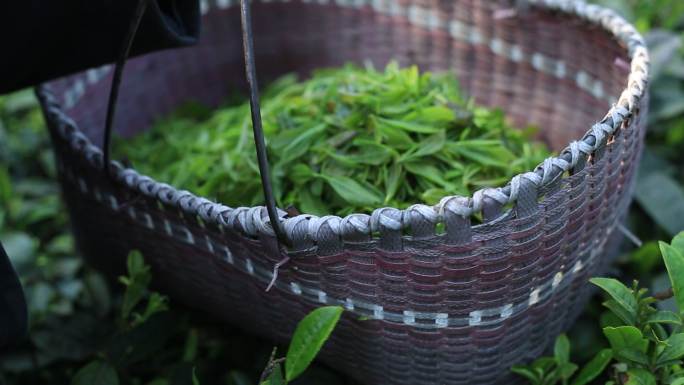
252, 221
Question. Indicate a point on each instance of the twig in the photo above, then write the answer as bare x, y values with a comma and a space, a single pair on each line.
272, 362
663, 295
292, 211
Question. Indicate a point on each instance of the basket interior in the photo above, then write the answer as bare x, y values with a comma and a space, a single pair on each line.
548, 69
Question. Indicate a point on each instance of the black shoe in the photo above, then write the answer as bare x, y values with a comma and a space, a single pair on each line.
13, 315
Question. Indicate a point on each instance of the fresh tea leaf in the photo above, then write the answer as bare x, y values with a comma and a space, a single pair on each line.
531, 375
561, 350
136, 283
674, 349
276, 376
627, 343
664, 317
308, 339
353, 192
594, 368
620, 312
678, 242
620, 294
638, 376
395, 137
567, 370
674, 261
408, 126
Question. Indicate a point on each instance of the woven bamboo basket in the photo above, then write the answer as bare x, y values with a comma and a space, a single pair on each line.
432, 297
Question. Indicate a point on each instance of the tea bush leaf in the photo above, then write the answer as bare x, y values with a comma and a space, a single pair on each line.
678, 242
638, 376
156, 303
664, 317
543, 364
308, 338
627, 342
646, 258
21, 248
5, 187
620, 294
276, 376
136, 283
594, 367
96, 372
566, 371
663, 199
674, 261
620, 312
528, 373
674, 349
195, 380
561, 350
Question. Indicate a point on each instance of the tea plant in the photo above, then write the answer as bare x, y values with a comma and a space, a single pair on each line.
662, 208
308, 339
73, 311
100, 370
559, 370
82, 329
346, 140
646, 343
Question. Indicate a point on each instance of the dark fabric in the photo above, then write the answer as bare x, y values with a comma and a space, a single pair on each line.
46, 39
13, 316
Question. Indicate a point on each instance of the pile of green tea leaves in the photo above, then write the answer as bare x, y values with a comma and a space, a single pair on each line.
346, 140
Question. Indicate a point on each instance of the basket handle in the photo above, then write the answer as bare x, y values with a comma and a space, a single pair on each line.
250, 72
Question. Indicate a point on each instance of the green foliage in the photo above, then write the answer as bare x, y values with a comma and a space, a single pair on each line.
79, 331
623, 304
136, 283
638, 376
628, 343
559, 369
648, 14
673, 255
97, 372
308, 339
646, 343
594, 368
659, 189
663, 198
195, 381
76, 318
346, 140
